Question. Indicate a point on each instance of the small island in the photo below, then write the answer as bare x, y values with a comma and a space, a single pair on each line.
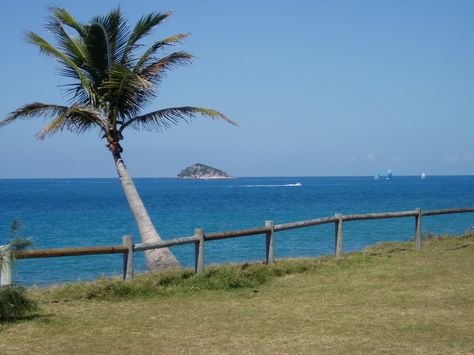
202, 171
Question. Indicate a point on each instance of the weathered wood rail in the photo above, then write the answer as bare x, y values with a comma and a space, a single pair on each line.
200, 238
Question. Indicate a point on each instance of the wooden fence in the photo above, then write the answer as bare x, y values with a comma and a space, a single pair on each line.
200, 238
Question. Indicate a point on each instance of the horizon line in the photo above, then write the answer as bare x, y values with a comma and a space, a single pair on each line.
235, 177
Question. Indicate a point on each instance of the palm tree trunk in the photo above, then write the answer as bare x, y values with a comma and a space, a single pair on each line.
156, 259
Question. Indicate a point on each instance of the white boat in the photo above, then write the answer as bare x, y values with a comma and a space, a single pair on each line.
377, 176
389, 175
295, 184
423, 176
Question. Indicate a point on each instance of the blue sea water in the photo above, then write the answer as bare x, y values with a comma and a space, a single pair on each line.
89, 212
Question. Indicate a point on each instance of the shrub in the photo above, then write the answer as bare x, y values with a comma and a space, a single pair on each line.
14, 304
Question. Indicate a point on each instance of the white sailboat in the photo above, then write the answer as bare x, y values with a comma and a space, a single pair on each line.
423, 176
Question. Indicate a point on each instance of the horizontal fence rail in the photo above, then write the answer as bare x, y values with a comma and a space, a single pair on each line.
302, 224
362, 217
165, 243
448, 211
80, 251
199, 238
237, 233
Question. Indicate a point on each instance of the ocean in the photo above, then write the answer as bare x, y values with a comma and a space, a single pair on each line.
59, 213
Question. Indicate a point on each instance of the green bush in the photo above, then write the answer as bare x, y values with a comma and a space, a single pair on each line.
14, 304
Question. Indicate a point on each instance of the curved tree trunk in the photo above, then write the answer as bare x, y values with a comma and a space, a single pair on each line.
156, 259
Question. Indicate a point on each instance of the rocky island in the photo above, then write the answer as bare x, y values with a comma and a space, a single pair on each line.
202, 171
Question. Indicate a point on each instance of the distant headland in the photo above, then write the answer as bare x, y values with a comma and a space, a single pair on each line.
202, 171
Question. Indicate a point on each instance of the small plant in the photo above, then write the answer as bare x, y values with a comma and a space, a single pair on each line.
7, 258
14, 304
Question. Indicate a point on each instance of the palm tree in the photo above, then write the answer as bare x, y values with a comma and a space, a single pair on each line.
111, 81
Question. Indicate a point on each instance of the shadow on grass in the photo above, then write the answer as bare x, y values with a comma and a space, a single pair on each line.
38, 317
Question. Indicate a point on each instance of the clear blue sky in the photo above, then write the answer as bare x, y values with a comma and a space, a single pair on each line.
319, 88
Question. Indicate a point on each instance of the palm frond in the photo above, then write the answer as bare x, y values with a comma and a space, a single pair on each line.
20, 243
73, 47
165, 118
147, 57
116, 33
125, 90
75, 119
98, 46
71, 68
143, 27
143, 85
155, 71
67, 19
33, 110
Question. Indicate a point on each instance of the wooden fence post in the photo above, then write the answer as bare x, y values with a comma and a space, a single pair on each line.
6, 269
270, 244
419, 231
338, 235
128, 258
199, 251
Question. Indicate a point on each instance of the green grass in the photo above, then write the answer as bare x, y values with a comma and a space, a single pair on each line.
173, 283
386, 299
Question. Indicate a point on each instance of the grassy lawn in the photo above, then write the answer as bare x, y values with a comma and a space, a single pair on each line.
386, 299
